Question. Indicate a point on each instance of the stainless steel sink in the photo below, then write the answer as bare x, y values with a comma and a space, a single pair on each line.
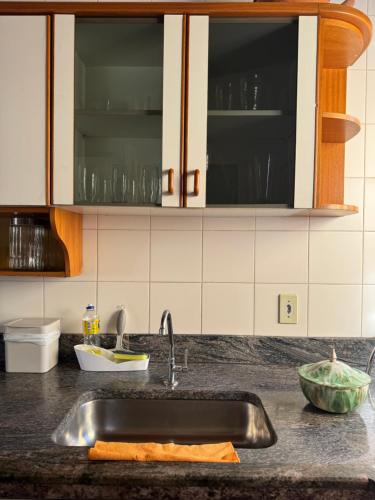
242, 421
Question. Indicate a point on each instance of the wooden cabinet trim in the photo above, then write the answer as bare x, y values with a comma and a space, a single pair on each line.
48, 108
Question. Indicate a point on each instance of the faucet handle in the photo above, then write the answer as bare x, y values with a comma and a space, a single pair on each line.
185, 366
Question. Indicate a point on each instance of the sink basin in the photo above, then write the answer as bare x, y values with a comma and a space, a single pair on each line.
243, 421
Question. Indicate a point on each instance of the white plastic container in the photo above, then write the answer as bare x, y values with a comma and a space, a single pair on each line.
31, 345
91, 362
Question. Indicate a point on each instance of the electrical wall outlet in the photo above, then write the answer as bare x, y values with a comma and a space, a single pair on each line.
288, 308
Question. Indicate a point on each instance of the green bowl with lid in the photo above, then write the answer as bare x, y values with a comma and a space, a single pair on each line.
334, 386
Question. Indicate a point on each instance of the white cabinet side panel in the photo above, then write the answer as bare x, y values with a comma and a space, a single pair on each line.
63, 117
197, 108
306, 109
172, 75
23, 87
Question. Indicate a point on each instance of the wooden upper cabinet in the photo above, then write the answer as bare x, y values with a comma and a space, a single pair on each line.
200, 105
24, 102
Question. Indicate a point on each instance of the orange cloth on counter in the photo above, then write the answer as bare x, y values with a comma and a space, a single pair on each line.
170, 452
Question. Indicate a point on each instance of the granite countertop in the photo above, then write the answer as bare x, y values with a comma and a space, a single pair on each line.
315, 454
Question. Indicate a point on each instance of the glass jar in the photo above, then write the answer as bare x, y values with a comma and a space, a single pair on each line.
27, 237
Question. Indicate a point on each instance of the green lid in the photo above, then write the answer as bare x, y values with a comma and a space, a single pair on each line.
333, 373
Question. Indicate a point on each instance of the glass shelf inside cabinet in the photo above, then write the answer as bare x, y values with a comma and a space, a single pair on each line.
252, 93
118, 111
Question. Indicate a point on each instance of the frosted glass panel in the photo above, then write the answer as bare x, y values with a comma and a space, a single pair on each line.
118, 111
251, 111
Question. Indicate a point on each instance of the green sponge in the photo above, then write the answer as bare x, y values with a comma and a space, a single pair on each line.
129, 356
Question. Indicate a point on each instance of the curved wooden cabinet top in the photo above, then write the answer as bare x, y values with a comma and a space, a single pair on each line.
347, 38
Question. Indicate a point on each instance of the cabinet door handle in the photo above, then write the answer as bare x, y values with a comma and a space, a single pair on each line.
171, 181
197, 174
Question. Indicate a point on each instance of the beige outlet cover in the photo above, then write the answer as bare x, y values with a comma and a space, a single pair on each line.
288, 308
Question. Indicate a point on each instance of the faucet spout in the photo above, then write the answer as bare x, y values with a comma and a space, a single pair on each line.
166, 327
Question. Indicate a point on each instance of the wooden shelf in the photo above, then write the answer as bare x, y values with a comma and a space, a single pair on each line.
343, 43
333, 211
66, 228
339, 127
52, 274
245, 112
118, 112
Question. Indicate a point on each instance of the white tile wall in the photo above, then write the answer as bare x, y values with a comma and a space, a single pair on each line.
223, 275
184, 299
227, 308
133, 296
335, 257
228, 256
335, 310
281, 257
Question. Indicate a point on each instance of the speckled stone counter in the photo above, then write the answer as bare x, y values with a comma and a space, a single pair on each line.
316, 454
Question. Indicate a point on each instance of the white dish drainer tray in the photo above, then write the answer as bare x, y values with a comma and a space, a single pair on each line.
92, 362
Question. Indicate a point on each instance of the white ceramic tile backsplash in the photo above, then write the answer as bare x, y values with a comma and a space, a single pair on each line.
228, 223
176, 256
133, 296
371, 50
67, 300
176, 223
228, 256
368, 311
223, 275
370, 151
369, 258
20, 299
184, 302
281, 257
124, 222
123, 255
369, 214
356, 96
334, 310
282, 223
335, 257
227, 308
370, 100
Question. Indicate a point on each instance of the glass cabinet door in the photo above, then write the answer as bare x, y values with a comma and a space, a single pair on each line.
251, 122
252, 80
118, 110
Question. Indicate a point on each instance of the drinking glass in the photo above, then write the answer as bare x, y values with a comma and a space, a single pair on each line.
131, 184
81, 181
261, 175
254, 88
244, 93
107, 190
219, 96
116, 183
93, 191
123, 186
251, 87
229, 95
27, 241
156, 185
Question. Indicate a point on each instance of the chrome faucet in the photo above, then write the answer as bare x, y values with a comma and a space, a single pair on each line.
166, 324
370, 362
